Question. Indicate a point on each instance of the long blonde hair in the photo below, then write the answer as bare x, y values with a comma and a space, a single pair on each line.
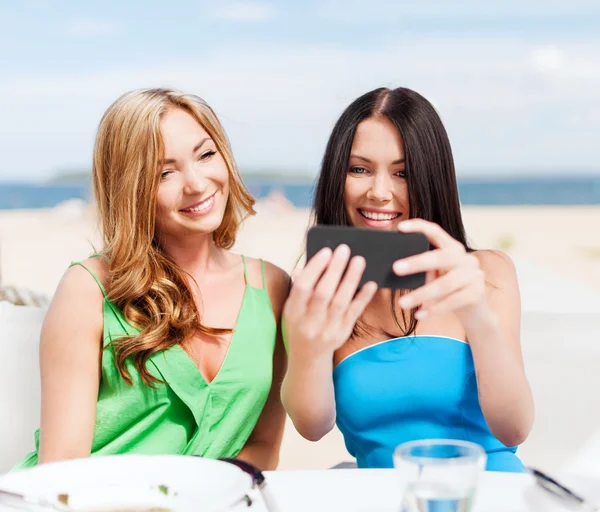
150, 289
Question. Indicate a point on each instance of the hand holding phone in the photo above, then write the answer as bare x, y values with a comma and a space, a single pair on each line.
324, 305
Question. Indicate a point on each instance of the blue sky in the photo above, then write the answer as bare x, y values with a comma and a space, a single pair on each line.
517, 84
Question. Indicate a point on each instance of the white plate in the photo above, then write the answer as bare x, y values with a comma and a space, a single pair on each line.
178, 483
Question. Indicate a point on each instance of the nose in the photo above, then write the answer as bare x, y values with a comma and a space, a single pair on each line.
194, 181
381, 187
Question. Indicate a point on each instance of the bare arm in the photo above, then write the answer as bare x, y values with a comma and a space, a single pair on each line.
70, 367
504, 392
262, 448
308, 395
481, 289
319, 316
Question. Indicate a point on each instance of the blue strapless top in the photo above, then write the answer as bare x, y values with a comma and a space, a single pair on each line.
410, 388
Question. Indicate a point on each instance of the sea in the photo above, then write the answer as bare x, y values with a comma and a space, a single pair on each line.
483, 192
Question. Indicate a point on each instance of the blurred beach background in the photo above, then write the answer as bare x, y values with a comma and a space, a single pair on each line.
517, 85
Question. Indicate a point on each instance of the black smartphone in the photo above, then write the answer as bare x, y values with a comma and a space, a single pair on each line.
379, 248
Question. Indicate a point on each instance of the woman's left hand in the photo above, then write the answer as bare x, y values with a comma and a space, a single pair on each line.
455, 281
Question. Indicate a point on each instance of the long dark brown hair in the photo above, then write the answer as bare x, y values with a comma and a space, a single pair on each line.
430, 173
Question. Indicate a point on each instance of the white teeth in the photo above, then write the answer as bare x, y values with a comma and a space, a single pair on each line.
379, 216
202, 206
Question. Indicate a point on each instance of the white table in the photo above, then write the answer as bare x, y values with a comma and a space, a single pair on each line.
343, 490
376, 490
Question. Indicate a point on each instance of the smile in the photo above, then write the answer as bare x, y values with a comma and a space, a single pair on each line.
381, 216
200, 207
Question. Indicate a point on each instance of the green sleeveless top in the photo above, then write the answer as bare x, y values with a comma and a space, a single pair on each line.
185, 414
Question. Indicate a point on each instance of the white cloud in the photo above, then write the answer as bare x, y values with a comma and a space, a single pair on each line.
278, 104
573, 70
244, 11
90, 28
547, 59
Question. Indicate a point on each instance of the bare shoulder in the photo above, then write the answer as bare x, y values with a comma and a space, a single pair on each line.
78, 280
278, 281
76, 307
78, 292
498, 268
276, 274
97, 265
278, 285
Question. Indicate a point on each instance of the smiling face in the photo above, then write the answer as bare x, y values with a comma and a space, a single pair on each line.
376, 192
194, 183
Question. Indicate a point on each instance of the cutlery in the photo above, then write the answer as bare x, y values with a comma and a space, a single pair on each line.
557, 489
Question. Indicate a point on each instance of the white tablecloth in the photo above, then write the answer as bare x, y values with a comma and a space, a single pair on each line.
377, 490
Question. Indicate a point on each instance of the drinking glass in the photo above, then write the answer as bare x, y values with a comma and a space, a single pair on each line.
439, 475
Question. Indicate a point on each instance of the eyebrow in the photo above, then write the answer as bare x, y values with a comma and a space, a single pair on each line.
196, 148
365, 159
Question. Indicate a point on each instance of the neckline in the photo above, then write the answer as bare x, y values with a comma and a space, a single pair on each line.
191, 362
181, 374
363, 349
176, 355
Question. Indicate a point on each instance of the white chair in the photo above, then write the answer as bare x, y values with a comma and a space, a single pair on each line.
19, 380
562, 359
562, 356
587, 460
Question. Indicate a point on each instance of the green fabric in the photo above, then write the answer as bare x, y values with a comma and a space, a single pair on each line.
186, 415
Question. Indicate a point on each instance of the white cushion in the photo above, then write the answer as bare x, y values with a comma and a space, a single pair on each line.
540, 291
587, 460
562, 359
19, 380
561, 352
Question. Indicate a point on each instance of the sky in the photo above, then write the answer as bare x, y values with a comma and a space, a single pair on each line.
517, 83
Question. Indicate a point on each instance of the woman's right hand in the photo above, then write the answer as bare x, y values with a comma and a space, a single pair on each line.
323, 306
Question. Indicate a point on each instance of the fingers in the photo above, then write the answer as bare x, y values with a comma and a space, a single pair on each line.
306, 279
462, 298
330, 280
435, 234
314, 267
449, 254
322, 308
438, 288
358, 305
447, 293
348, 286
440, 259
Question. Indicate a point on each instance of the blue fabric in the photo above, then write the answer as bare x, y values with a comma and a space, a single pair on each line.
410, 388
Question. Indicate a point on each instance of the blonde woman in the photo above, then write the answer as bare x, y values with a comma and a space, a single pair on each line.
166, 342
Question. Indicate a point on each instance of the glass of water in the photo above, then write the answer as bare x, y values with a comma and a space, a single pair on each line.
439, 475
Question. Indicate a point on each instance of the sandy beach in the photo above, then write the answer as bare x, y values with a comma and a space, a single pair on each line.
37, 245
556, 251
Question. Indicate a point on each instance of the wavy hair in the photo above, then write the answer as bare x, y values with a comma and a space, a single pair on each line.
143, 281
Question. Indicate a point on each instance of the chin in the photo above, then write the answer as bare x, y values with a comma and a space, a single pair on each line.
209, 225
202, 225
